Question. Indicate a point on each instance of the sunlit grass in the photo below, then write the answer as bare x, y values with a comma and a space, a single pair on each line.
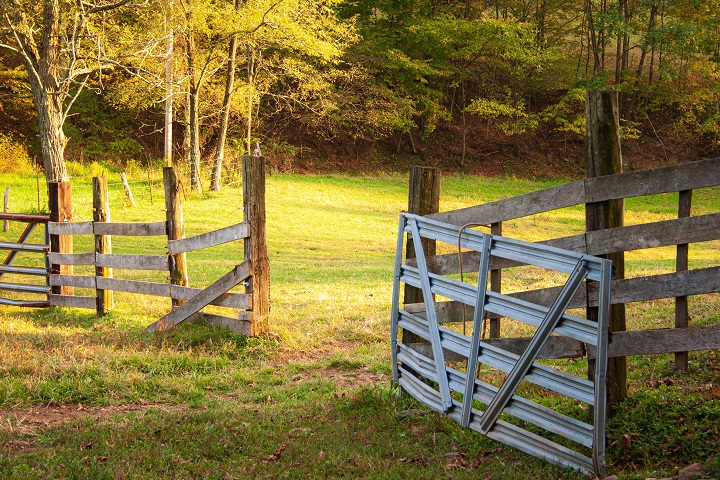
331, 242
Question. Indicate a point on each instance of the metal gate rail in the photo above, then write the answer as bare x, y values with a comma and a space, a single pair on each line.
6, 266
477, 404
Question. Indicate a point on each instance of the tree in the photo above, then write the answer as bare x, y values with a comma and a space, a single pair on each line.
61, 46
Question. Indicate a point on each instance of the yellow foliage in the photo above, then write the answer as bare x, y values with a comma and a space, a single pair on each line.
13, 156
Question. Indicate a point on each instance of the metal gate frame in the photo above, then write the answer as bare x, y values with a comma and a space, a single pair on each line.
7, 267
412, 369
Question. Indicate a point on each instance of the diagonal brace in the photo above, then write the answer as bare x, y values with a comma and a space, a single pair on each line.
202, 299
477, 330
438, 356
524, 363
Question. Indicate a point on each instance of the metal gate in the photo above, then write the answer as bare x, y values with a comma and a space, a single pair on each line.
567, 440
39, 267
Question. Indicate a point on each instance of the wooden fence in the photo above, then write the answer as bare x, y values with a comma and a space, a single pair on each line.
682, 231
187, 301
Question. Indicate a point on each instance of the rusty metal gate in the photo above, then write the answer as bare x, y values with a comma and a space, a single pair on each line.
568, 440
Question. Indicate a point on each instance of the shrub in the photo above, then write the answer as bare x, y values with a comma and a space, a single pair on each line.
13, 156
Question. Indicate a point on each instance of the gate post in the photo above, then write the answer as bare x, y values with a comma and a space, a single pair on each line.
60, 203
101, 213
177, 263
255, 321
604, 157
423, 199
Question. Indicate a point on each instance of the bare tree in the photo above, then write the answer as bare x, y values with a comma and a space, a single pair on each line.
61, 46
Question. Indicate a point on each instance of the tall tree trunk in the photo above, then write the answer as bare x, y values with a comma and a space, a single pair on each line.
193, 113
52, 138
48, 93
541, 14
216, 177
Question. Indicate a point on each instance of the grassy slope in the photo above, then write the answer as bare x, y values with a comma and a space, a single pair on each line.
313, 399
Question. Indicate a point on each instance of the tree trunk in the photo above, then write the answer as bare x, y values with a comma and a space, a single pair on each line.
193, 115
52, 137
216, 178
48, 95
194, 126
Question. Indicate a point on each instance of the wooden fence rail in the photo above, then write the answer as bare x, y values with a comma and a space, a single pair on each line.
684, 230
253, 271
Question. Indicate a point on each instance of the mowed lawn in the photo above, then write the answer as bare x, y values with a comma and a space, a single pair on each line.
82, 397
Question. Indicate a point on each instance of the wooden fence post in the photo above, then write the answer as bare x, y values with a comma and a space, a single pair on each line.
604, 157
60, 203
423, 199
101, 213
495, 283
255, 321
681, 264
128, 192
177, 263
6, 206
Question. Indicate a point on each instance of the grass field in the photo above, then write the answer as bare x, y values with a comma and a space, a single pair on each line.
82, 397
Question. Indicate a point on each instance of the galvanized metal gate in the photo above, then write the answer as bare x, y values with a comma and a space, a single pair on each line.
477, 404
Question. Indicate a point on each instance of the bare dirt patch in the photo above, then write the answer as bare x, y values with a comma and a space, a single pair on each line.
342, 377
32, 420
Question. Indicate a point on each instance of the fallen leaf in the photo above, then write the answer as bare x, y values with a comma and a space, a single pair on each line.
276, 455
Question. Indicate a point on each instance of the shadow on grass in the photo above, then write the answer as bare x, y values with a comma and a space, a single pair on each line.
329, 434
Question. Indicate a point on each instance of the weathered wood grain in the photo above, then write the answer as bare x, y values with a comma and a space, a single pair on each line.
423, 199
132, 262
657, 234
232, 324
103, 243
663, 340
60, 204
72, 280
255, 246
126, 186
177, 264
148, 229
134, 286
231, 300
209, 239
71, 259
196, 303
673, 178
70, 228
552, 198
682, 315
72, 301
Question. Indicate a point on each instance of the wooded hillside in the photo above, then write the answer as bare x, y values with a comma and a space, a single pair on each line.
358, 85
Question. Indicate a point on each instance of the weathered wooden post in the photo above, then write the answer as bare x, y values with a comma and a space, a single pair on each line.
604, 157
255, 321
60, 203
128, 192
101, 213
681, 264
177, 263
495, 283
6, 206
423, 199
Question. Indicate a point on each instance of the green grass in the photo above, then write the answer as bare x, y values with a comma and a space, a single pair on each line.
313, 398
